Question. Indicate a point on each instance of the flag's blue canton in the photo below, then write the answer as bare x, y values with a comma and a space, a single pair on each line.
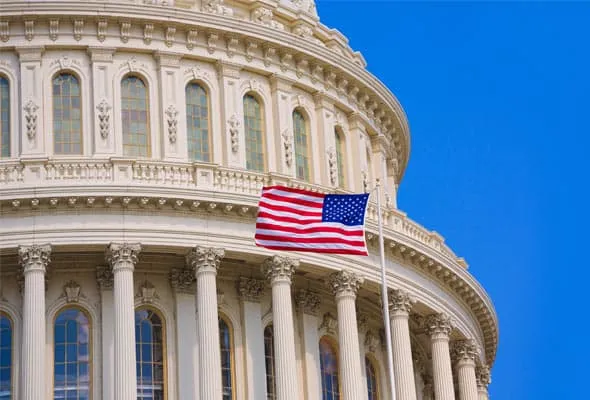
348, 209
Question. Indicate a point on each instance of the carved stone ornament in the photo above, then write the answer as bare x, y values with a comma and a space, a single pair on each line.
365, 177
71, 291
205, 259
265, 16
172, 120
464, 350
182, 280
191, 38
4, 31
104, 278
217, 7
333, 165
438, 325
303, 30
29, 29
482, 375
329, 323
104, 118
34, 258
344, 283
279, 268
122, 255
53, 29
30, 109
234, 131
78, 29
288, 147
400, 301
101, 32
250, 289
197, 73
147, 293
307, 301
372, 341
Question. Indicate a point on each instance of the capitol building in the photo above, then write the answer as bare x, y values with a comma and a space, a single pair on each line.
136, 138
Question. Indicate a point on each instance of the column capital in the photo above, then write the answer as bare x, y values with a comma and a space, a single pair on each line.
438, 326
400, 302
122, 255
482, 375
104, 278
279, 268
182, 280
307, 301
205, 259
344, 283
250, 289
34, 258
464, 351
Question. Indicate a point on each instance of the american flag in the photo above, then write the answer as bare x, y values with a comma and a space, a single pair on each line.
300, 220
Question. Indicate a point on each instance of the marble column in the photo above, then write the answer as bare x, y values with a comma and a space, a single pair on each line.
279, 271
34, 261
182, 282
482, 375
308, 304
122, 258
464, 354
250, 291
104, 278
400, 305
205, 262
438, 327
345, 285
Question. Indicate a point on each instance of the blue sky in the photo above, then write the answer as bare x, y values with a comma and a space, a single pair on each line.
498, 97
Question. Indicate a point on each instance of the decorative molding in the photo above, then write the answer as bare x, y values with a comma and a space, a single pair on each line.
217, 7
170, 36
71, 292
333, 165
288, 146
101, 32
29, 29
234, 132
35, 257
182, 280
103, 118
307, 301
250, 289
122, 255
124, 33
344, 282
172, 122
400, 301
231, 45
279, 268
78, 29
30, 109
205, 259
4, 31
250, 49
53, 29
197, 73
483, 377
269, 53
329, 323
438, 325
191, 38
212, 42
372, 341
147, 293
148, 33
464, 350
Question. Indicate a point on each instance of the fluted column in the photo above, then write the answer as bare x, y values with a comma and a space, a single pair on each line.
345, 285
34, 261
104, 278
482, 375
205, 261
279, 270
438, 327
122, 258
464, 354
400, 305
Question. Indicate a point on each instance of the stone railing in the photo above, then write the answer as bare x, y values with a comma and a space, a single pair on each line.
44, 173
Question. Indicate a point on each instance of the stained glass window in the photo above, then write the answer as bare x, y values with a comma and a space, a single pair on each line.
340, 157
301, 146
225, 340
197, 122
329, 370
372, 386
253, 126
72, 361
5, 357
4, 119
67, 115
135, 117
269, 359
150, 354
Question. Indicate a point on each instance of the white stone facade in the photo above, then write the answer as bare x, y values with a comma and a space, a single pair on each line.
109, 233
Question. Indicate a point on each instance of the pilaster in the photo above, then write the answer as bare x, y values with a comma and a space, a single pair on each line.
34, 140
324, 110
232, 115
308, 304
101, 59
283, 125
104, 279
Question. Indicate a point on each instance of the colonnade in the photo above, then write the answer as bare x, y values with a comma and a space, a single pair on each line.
116, 285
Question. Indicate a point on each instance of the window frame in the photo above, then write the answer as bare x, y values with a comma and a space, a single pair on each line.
223, 317
334, 345
77, 76
273, 395
144, 80
207, 91
13, 385
262, 119
307, 132
5, 77
369, 359
340, 145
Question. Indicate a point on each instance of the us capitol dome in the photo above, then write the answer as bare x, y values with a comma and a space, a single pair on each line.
136, 136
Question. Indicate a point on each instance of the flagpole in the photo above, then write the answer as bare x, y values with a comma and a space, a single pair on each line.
384, 296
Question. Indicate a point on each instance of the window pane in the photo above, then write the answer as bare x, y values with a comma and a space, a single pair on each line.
149, 354
329, 370
197, 122
371, 380
301, 146
134, 116
4, 118
67, 115
254, 134
340, 158
71, 337
226, 360
269, 362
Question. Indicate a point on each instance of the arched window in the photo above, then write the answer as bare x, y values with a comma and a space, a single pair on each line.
301, 146
227, 361
372, 383
67, 114
197, 122
72, 360
135, 117
5, 357
253, 127
339, 140
150, 354
329, 370
269, 360
4, 118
